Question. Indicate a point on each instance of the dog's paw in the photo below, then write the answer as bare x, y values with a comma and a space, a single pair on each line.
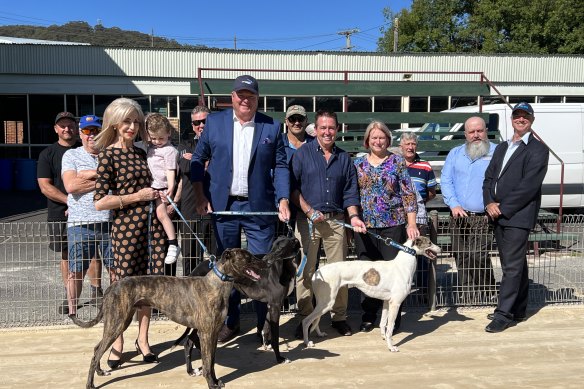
321, 334
196, 372
310, 343
393, 349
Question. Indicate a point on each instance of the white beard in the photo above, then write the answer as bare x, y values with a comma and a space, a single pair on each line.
477, 150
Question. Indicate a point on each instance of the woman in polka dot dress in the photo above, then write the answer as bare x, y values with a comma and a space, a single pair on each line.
123, 185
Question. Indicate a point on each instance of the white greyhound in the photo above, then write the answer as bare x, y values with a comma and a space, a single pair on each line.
390, 281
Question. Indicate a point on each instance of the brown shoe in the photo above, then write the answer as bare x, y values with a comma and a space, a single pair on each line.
226, 333
342, 328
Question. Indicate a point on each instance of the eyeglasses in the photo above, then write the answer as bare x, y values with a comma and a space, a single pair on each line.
90, 130
198, 122
296, 118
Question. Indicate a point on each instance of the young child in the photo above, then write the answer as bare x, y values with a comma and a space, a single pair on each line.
162, 157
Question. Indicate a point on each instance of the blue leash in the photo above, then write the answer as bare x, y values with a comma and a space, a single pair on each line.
212, 257
386, 241
243, 213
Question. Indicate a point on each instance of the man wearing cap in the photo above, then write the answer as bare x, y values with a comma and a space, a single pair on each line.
246, 172
185, 196
51, 185
512, 194
296, 135
462, 180
87, 229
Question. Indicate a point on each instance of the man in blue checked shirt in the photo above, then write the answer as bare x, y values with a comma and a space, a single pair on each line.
461, 182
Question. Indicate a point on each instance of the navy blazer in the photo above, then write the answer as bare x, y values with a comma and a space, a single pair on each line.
518, 186
268, 175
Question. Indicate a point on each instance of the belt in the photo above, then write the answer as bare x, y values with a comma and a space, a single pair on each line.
475, 213
330, 215
238, 198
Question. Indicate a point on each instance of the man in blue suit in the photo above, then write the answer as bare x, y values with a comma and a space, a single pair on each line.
246, 172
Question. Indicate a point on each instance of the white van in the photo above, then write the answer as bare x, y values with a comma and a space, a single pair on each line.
560, 126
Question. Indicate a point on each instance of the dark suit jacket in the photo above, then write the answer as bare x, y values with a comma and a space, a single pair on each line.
518, 186
268, 174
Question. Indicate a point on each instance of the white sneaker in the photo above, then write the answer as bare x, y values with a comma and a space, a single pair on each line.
171, 254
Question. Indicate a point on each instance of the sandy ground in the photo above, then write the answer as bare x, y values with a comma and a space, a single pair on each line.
443, 349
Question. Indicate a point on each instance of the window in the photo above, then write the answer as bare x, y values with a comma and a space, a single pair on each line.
387, 104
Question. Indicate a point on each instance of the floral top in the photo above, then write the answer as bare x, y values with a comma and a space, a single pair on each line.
387, 192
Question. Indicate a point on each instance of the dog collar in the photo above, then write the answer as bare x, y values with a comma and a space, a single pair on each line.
222, 276
403, 248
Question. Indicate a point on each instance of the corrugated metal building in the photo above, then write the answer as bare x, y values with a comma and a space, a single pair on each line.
36, 81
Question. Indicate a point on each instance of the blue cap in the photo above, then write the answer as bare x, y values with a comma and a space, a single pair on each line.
89, 121
246, 82
524, 107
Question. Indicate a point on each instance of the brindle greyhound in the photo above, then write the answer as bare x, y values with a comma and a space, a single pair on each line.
282, 263
205, 308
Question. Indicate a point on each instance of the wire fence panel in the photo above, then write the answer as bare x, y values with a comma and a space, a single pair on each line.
467, 273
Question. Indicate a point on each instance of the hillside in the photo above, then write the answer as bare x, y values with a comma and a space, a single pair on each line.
98, 36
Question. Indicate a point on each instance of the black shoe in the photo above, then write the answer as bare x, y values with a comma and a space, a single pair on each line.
148, 358
114, 363
366, 326
491, 316
298, 334
498, 326
342, 328
63, 309
226, 333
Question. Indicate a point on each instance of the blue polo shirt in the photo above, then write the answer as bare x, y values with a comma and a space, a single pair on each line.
290, 149
327, 187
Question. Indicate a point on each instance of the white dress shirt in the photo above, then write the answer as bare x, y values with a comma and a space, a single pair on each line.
242, 141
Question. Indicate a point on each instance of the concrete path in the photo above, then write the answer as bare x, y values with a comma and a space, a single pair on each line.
445, 349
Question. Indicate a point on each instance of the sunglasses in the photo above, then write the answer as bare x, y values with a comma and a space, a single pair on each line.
90, 131
198, 122
296, 118
521, 115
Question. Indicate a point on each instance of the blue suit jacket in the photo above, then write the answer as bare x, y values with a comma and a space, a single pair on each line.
268, 175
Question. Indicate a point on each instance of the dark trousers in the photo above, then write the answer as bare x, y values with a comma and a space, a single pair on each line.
369, 248
259, 235
471, 242
514, 289
191, 249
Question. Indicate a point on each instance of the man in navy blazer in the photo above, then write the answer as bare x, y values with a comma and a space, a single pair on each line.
247, 172
512, 194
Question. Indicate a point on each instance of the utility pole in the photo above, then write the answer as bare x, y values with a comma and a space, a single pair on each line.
347, 34
152, 38
395, 34
234, 42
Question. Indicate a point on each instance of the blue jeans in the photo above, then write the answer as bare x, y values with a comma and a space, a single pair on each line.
84, 241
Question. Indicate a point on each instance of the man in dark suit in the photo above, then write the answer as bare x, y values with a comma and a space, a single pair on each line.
512, 194
247, 172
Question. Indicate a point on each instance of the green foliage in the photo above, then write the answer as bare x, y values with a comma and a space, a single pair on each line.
487, 26
82, 32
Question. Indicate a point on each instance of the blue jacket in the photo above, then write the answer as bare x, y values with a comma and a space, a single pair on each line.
268, 175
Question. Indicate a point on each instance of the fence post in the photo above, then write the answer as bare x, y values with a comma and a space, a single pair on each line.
432, 268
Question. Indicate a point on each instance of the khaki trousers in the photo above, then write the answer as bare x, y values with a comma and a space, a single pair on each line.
332, 236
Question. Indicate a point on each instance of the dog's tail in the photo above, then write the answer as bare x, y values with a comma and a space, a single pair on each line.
180, 339
87, 324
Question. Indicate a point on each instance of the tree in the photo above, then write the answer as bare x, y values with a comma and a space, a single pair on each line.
488, 26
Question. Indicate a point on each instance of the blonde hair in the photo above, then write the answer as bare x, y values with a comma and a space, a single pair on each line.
115, 114
379, 126
156, 124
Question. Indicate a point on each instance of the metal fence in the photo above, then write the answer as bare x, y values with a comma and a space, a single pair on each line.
467, 273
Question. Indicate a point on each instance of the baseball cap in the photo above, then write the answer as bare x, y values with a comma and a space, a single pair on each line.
524, 107
295, 110
246, 82
64, 115
89, 121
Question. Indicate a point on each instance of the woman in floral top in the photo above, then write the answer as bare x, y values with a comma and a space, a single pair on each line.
388, 202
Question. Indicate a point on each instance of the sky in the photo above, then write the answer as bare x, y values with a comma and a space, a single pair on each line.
255, 24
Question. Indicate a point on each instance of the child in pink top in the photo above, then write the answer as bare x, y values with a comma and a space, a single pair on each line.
162, 157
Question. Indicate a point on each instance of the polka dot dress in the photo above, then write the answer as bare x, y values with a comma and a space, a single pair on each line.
125, 171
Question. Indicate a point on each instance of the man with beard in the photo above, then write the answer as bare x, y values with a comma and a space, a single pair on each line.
462, 181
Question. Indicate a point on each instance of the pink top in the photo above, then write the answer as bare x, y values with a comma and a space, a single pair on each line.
160, 159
